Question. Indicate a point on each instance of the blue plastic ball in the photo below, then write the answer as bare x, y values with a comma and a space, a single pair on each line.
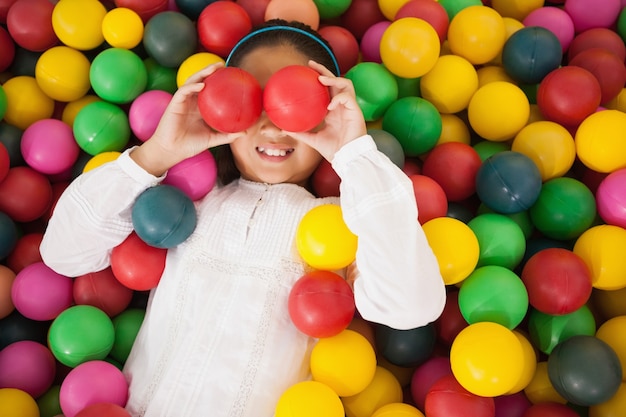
8, 235
530, 54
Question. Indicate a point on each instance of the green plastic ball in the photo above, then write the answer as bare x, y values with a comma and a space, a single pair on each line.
375, 87
329, 9
49, 403
3, 102
101, 127
452, 7
487, 148
546, 330
621, 24
160, 77
118, 75
126, 325
501, 240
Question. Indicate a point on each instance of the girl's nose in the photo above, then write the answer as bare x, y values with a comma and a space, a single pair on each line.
267, 128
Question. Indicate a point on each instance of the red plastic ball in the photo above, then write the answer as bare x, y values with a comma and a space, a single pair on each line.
144, 8
344, 45
454, 166
430, 197
57, 190
294, 99
5, 5
103, 409
425, 375
451, 321
447, 398
25, 194
321, 304
231, 100
360, 15
325, 181
558, 281
568, 95
136, 264
7, 49
5, 162
608, 69
430, 11
25, 252
512, 405
597, 38
255, 9
221, 25
550, 409
30, 24
101, 289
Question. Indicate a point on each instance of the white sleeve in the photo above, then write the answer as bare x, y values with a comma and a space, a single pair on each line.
398, 283
92, 216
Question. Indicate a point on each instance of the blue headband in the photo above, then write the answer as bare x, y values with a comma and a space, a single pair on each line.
289, 28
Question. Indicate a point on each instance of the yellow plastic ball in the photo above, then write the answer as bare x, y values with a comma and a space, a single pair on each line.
450, 84
619, 102
492, 73
26, 102
453, 129
389, 8
63, 73
487, 359
602, 249
409, 47
345, 362
529, 365
17, 403
498, 111
609, 303
550, 146
72, 108
540, 389
455, 246
614, 407
477, 33
510, 27
195, 63
324, 240
100, 159
612, 332
384, 389
601, 141
517, 9
309, 399
78, 23
122, 28
398, 410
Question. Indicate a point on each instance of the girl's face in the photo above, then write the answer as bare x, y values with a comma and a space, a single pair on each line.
264, 153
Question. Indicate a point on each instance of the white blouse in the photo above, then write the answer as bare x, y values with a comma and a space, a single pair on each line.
217, 339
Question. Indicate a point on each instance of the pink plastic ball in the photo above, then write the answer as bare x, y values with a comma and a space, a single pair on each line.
48, 146
588, 14
425, 375
370, 42
39, 293
91, 383
611, 198
554, 19
145, 112
195, 176
28, 366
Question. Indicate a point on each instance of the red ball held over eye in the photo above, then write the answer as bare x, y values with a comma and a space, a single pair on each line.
231, 100
295, 100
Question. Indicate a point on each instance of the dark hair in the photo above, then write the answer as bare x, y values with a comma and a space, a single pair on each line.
310, 44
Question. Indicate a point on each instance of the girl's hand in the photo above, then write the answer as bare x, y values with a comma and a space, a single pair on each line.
344, 121
181, 132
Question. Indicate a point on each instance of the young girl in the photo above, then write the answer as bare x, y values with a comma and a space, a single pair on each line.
217, 339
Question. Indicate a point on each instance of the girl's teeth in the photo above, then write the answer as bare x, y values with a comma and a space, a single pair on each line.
273, 152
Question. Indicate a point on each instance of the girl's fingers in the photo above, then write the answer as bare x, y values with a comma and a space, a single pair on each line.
320, 68
203, 73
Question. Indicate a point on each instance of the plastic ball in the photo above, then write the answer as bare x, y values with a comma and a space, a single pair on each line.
79, 334
195, 176
146, 9
568, 95
9, 237
501, 240
611, 199
487, 359
360, 16
490, 73
540, 389
585, 370
29, 24
554, 19
373, 102
384, 389
454, 166
406, 348
321, 304
145, 112
160, 77
122, 28
48, 146
453, 7
25, 194
425, 375
304, 11
498, 111
564, 209
118, 75
103, 409
344, 45
17, 403
100, 159
430, 11
603, 38
309, 399
586, 14
294, 99
71, 109
16, 327
101, 126
599, 246
546, 331
325, 181
477, 33
26, 102
558, 281
409, 47
62, 73
453, 129
430, 198
7, 46
516, 9
221, 25
370, 42
451, 321
550, 409
48, 403
448, 398
102, 290
512, 405
529, 365
450, 84
28, 366
597, 145
389, 145
329, 9
324, 240
616, 405
608, 69
194, 63
170, 37
127, 325
415, 122
455, 246
345, 362
3, 103
92, 382
78, 23
7, 276
231, 100
531, 53
397, 410
609, 332
137, 265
